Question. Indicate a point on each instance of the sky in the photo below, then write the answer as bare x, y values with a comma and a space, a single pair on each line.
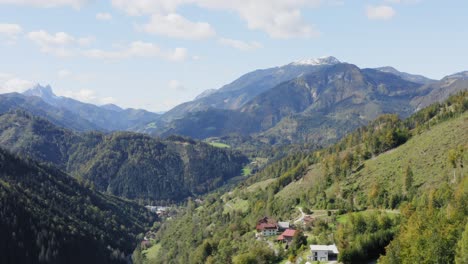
155, 54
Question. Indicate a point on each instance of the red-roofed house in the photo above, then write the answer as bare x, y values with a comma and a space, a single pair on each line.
287, 235
268, 227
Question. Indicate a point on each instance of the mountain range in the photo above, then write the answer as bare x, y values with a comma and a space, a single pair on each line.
313, 101
107, 117
308, 101
131, 165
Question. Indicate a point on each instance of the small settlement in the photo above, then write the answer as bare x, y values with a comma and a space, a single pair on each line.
268, 227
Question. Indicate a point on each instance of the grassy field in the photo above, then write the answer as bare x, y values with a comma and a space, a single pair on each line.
260, 185
236, 204
219, 145
296, 188
426, 154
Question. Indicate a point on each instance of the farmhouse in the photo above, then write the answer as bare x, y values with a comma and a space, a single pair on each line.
323, 252
267, 227
287, 236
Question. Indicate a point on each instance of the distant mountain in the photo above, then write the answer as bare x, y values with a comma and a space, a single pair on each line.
239, 92
440, 90
112, 107
59, 116
47, 216
321, 105
107, 117
123, 163
310, 100
406, 76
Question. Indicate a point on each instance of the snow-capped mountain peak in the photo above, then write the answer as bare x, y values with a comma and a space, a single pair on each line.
327, 60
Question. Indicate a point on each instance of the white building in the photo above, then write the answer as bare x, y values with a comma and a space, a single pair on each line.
283, 225
323, 252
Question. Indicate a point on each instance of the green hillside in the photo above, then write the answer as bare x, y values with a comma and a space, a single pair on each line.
363, 193
425, 154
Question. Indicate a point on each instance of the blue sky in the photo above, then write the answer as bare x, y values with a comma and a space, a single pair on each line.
155, 54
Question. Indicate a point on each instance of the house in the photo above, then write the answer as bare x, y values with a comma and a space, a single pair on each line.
283, 226
267, 227
287, 236
323, 252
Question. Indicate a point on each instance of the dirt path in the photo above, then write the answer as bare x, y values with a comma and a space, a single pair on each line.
301, 218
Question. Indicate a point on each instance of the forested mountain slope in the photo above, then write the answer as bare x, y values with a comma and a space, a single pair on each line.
328, 103
237, 93
415, 166
47, 216
123, 163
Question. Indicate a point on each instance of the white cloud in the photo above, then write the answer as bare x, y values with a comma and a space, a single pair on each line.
179, 54
87, 96
103, 16
10, 29
85, 41
10, 32
10, 83
278, 18
381, 12
84, 95
240, 45
175, 26
47, 3
138, 49
176, 85
59, 44
141, 7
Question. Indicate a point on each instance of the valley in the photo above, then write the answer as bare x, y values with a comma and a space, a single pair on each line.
349, 159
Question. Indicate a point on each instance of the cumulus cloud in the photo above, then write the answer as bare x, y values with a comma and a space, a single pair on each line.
87, 96
59, 44
84, 95
103, 16
47, 3
240, 45
141, 7
176, 85
10, 32
278, 18
137, 49
10, 83
381, 12
176, 26
10, 29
